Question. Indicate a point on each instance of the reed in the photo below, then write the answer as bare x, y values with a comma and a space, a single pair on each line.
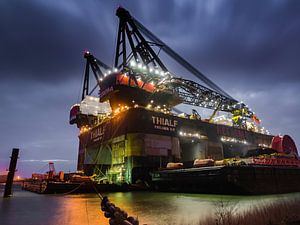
283, 212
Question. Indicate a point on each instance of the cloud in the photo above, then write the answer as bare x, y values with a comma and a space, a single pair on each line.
46, 160
249, 48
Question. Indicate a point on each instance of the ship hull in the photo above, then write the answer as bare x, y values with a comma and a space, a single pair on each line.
51, 187
135, 142
248, 180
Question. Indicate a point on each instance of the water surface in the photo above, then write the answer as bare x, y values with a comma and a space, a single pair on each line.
26, 208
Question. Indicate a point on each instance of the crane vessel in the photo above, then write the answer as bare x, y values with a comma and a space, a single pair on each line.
133, 132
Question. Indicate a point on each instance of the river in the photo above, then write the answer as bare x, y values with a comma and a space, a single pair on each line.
155, 208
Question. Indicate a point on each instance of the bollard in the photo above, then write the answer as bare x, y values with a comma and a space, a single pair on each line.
11, 172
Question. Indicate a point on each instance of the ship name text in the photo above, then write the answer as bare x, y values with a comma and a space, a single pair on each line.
97, 134
164, 123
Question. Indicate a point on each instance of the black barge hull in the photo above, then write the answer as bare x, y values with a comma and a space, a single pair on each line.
44, 187
246, 180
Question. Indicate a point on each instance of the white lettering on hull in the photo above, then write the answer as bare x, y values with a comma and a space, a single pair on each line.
164, 123
97, 134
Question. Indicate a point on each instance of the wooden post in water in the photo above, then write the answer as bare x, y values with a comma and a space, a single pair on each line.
11, 172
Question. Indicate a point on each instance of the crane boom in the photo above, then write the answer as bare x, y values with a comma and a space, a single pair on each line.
95, 64
193, 93
140, 65
180, 60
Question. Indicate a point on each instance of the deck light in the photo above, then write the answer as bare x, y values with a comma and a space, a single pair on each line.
132, 63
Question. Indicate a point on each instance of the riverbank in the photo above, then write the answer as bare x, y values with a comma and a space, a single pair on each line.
285, 212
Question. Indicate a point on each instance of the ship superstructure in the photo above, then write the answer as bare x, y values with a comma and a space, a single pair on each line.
133, 126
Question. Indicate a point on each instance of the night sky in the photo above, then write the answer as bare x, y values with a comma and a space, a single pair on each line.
249, 48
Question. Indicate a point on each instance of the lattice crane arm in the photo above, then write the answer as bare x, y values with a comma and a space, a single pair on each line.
96, 65
192, 93
179, 59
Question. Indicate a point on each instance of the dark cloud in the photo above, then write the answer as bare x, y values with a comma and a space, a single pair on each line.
45, 41
256, 39
249, 48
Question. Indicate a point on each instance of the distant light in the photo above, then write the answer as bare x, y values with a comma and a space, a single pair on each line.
162, 73
156, 72
151, 70
115, 70
140, 65
133, 63
109, 71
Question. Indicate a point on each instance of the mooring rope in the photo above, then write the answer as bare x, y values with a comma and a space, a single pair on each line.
115, 214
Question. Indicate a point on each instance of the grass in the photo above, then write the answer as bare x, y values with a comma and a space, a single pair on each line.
284, 212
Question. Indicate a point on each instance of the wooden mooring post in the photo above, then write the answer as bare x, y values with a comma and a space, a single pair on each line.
11, 172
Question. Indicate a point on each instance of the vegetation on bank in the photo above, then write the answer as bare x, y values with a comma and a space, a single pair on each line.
284, 212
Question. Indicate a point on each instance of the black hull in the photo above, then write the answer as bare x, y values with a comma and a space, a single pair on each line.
246, 180
75, 188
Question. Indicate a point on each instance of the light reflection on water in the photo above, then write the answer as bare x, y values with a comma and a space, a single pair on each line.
151, 208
